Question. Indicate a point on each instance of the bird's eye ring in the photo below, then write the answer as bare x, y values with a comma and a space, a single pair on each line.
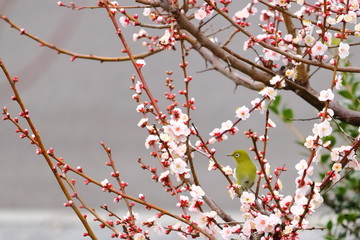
237, 155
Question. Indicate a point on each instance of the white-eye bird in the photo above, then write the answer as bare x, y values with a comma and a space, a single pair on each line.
245, 172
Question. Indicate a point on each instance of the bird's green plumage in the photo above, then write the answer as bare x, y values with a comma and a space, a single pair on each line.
245, 172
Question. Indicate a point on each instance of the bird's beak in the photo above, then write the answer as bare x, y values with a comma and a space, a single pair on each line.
229, 155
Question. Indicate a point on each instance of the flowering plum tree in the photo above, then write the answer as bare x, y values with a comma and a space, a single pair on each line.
290, 41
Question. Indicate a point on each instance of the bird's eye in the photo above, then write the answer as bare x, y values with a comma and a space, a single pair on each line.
237, 155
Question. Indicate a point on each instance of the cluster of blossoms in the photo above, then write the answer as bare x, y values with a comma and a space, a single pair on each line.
313, 38
320, 41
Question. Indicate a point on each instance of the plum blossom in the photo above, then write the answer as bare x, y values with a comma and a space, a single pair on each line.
270, 123
177, 130
218, 135
164, 175
326, 95
350, 17
310, 141
143, 122
142, 33
197, 192
140, 63
178, 166
265, 223
242, 113
319, 49
297, 209
227, 170
247, 198
260, 107
140, 108
301, 166
343, 50
200, 14
146, 12
316, 200
138, 87
105, 183
139, 236
242, 14
205, 218
309, 40
337, 167
271, 55
177, 151
227, 231
115, 4
227, 126
338, 82
125, 22
329, 114
338, 153
268, 92
167, 41
150, 140
277, 80
285, 202
322, 129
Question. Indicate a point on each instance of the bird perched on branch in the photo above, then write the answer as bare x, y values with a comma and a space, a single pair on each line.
245, 172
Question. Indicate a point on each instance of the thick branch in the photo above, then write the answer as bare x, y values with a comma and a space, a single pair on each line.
221, 67
311, 96
259, 75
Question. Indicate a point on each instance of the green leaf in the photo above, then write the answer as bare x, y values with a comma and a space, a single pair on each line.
275, 104
288, 114
354, 88
346, 94
351, 216
329, 226
324, 158
340, 218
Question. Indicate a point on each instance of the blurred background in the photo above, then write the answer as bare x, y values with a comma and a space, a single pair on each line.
75, 105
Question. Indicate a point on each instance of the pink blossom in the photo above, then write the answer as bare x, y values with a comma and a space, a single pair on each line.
337, 167
227, 170
242, 14
146, 12
197, 192
322, 129
338, 82
200, 14
318, 49
242, 113
268, 92
247, 198
150, 140
125, 22
309, 142
350, 17
139, 236
343, 50
259, 106
301, 166
262, 224
138, 87
178, 166
140, 108
326, 95
141, 63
